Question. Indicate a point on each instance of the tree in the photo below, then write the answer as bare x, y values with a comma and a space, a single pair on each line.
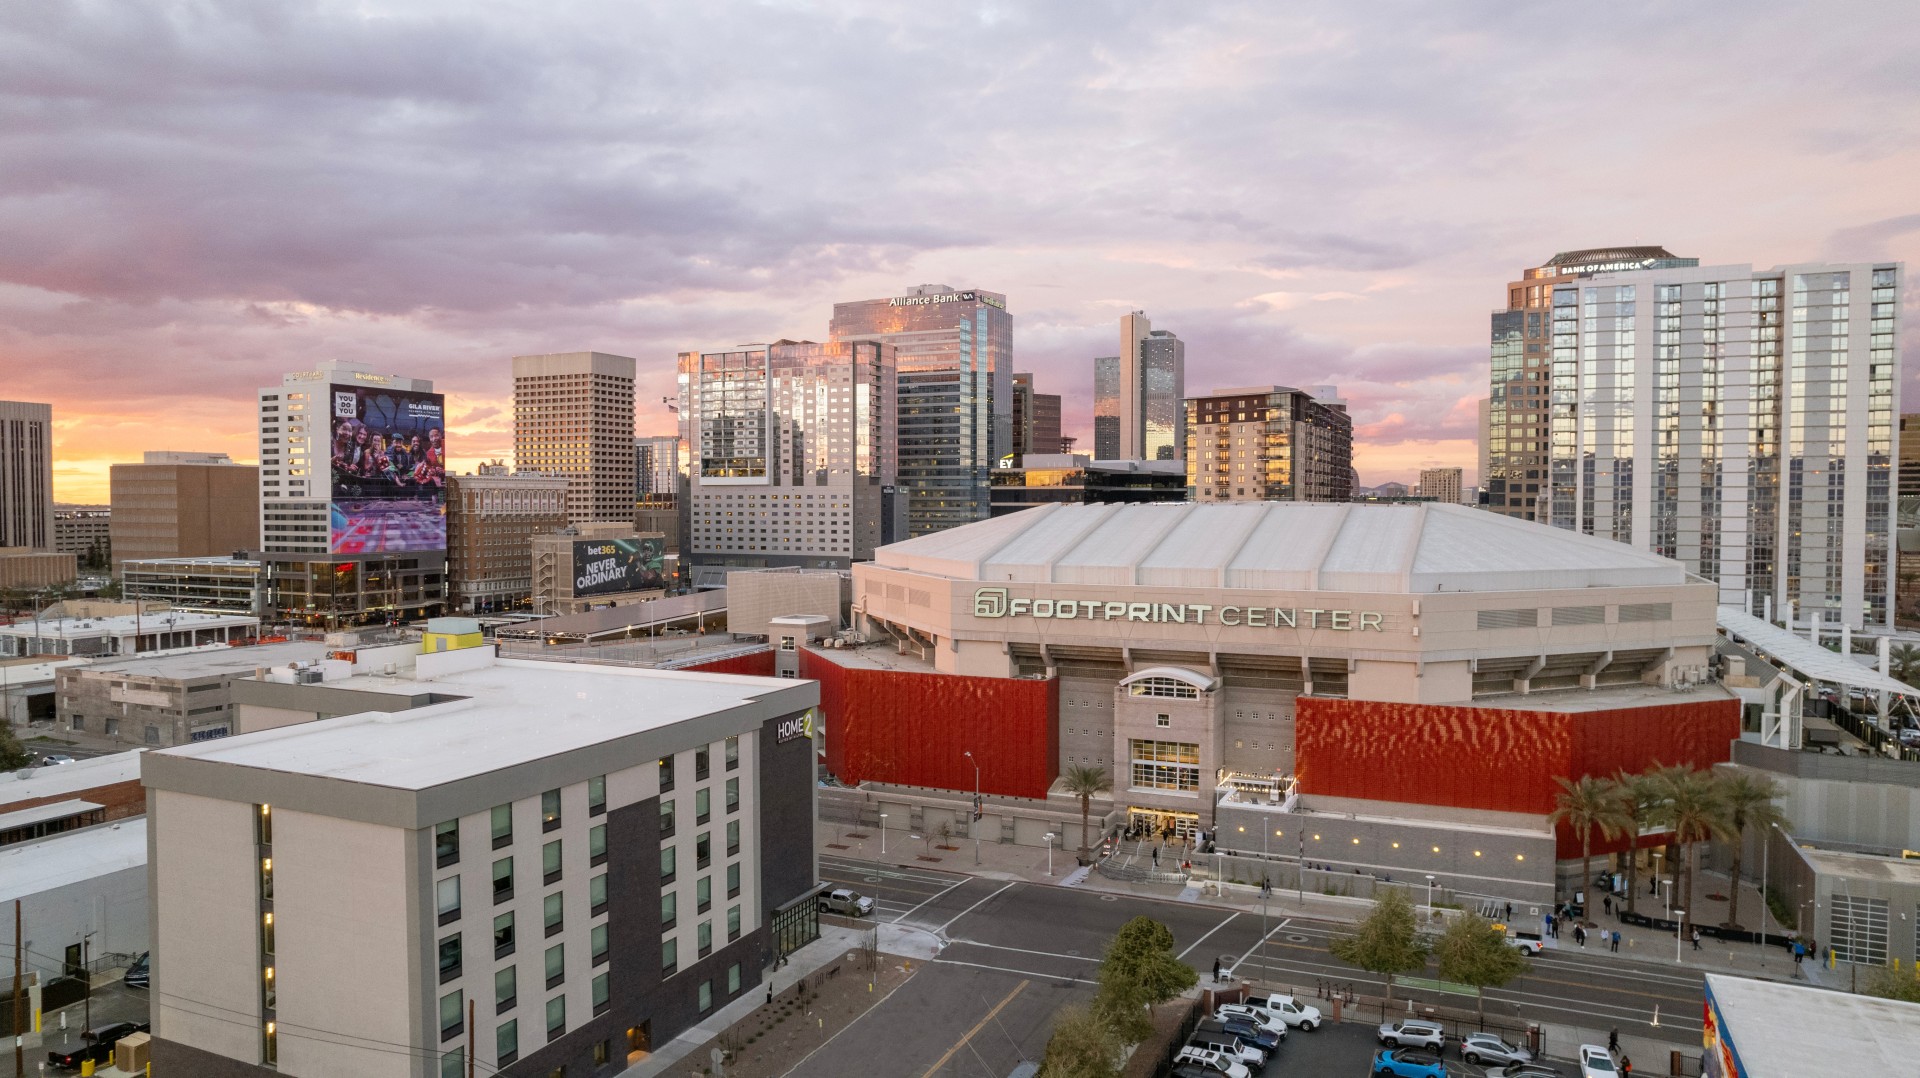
1889, 983
1471, 952
1386, 942
13, 755
1140, 969
1693, 811
1750, 802
1903, 661
1640, 797
1584, 805
1082, 1046
1084, 782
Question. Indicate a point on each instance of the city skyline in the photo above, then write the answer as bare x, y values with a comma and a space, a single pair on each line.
1383, 180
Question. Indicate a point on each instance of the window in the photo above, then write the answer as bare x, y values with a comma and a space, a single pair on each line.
446, 843
1171, 688
447, 898
602, 1050
153, 735
1165, 765
598, 939
704, 935
269, 1045
263, 825
733, 978
700, 764
666, 773
706, 996
703, 893
550, 810
733, 923
669, 956
502, 825
597, 845
453, 1064
503, 935
266, 878
556, 1017
733, 752
266, 933
733, 880
554, 909
667, 859
451, 1019
1859, 929
702, 805
733, 837
597, 796
666, 817
506, 988
600, 1003
597, 894
449, 958
506, 1041
733, 795
556, 964
669, 909
502, 880
550, 861
703, 850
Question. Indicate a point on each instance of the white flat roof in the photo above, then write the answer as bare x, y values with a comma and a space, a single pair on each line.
42, 813
516, 710
123, 624
33, 867
1284, 546
1781, 1030
36, 782
1805, 657
34, 673
213, 659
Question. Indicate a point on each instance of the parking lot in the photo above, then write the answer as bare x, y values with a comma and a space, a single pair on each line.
1348, 1049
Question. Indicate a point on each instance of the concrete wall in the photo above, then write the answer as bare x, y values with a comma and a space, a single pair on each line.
206, 935
1840, 799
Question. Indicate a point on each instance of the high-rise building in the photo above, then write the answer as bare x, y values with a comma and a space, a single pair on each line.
789, 456
1141, 392
954, 351
1269, 443
660, 462
184, 505
1910, 455
1515, 433
26, 475
353, 521
1738, 420
573, 416
1442, 484
1036, 419
492, 518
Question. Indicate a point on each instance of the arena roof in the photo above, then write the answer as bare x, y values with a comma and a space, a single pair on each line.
1281, 546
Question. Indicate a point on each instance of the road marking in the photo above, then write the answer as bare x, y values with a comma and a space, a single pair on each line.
971, 908
1210, 932
1070, 977
929, 898
977, 1027
1261, 942
1021, 950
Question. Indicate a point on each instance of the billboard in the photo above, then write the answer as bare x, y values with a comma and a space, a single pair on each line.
610, 566
389, 467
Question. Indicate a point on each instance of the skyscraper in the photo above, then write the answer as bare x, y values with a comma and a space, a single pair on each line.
1036, 419
955, 395
1269, 443
1738, 420
1442, 484
26, 475
660, 461
573, 416
1141, 392
791, 463
1514, 427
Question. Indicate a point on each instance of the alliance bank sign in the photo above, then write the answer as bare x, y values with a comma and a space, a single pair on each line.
997, 603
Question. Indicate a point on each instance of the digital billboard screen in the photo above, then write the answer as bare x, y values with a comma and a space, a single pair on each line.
389, 462
610, 566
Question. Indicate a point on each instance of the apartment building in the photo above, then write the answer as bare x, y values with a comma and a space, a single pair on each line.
1269, 444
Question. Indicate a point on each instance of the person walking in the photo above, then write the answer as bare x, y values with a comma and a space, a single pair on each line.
1606, 903
1509, 912
1616, 941
1613, 1041
1696, 937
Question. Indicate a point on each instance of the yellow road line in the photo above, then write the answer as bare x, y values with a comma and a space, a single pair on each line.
978, 1026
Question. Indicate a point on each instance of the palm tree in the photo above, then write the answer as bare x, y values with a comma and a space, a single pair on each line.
1584, 805
1640, 796
1084, 782
1903, 662
1693, 811
1749, 800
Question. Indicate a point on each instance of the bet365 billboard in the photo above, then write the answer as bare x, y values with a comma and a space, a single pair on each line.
611, 566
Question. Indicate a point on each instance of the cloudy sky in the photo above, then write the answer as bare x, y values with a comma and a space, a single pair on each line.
196, 197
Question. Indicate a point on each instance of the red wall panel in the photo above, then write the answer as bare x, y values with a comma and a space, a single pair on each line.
914, 728
759, 664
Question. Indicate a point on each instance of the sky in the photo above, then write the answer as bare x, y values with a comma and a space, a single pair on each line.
197, 197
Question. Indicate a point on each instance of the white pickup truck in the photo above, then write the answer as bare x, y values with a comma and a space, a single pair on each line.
1527, 943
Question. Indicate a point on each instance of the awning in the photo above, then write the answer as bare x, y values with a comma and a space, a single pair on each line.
1806, 659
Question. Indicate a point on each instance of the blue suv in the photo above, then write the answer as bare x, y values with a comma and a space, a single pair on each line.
1407, 1063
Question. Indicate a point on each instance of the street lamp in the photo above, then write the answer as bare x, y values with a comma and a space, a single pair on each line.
1679, 917
1050, 838
883, 834
1666, 897
1429, 896
973, 822
1766, 846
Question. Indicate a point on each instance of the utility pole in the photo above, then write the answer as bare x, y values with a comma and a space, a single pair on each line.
19, 1051
469, 1037
974, 825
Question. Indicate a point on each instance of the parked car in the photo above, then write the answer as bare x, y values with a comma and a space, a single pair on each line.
96, 1044
1527, 943
53, 759
137, 973
1524, 1070
845, 900
1213, 1062
1258, 1018
1288, 1010
1405, 1063
1414, 1033
1213, 1038
1597, 1062
1485, 1048
1267, 1041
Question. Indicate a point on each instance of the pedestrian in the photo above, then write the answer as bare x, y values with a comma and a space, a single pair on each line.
1613, 1040
1696, 938
1581, 935
1606, 903
769, 993
1509, 911
1216, 969
1626, 1067
1156, 857
1616, 941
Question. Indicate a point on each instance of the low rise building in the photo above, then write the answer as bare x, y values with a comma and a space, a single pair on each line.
214, 585
26, 689
1136, 482
124, 634
167, 699
596, 565
83, 897
1039, 479
26, 569
323, 892
1768, 1029
492, 518
85, 532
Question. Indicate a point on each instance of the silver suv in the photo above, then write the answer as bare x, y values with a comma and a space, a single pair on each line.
847, 901
1414, 1033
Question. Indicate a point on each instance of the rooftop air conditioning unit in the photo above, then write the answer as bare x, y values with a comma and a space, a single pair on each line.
309, 676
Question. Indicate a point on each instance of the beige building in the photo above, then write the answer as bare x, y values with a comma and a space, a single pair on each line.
169, 699
492, 518
83, 531
596, 565
1268, 444
26, 475
573, 417
1442, 485
26, 569
184, 505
